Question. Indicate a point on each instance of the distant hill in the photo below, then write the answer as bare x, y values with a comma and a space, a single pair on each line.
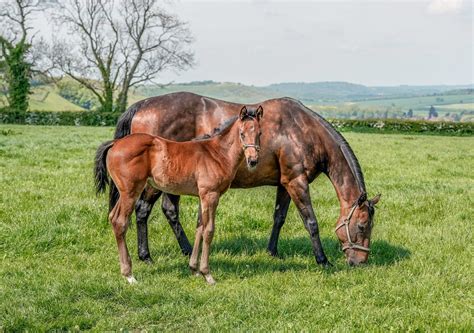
233, 92
310, 93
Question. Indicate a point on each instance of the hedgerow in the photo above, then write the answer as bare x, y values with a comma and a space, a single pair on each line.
96, 118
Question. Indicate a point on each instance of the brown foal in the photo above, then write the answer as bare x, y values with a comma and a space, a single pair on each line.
202, 168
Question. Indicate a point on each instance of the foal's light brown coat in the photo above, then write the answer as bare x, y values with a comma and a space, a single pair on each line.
201, 168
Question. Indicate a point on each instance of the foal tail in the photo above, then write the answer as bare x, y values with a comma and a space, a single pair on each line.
100, 166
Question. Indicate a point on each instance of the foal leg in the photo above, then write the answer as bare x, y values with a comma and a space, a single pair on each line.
170, 207
120, 219
143, 209
281, 209
193, 260
209, 204
298, 189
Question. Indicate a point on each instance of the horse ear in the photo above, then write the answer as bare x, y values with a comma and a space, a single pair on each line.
243, 113
362, 199
375, 199
259, 112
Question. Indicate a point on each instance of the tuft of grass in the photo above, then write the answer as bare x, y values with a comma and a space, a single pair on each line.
59, 267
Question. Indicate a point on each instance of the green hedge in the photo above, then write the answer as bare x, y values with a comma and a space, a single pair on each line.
86, 118
94, 118
402, 125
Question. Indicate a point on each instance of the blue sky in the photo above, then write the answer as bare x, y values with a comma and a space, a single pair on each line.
368, 42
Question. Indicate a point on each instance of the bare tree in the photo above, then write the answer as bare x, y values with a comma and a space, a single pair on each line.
114, 45
15, 45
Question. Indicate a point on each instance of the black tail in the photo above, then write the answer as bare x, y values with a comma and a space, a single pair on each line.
100, 166
124, 125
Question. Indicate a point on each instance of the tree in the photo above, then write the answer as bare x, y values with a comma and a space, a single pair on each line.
432, 113
15, 44
115, 45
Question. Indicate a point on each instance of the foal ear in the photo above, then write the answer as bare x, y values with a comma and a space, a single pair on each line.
259, 112
375, 199
243, 113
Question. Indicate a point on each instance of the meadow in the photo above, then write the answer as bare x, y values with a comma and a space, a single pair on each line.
59, 267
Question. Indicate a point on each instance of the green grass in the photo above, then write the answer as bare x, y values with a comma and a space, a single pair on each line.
59, 267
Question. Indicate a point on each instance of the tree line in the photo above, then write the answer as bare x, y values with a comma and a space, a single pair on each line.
106, 46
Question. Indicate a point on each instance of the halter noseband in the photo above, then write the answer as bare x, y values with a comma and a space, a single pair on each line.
245, 146
345, 223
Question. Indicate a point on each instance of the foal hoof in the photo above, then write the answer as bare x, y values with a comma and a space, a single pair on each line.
195, 272
209, 279
131, 279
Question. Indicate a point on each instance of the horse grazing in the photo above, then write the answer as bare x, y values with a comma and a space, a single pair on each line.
203, 168
299, 146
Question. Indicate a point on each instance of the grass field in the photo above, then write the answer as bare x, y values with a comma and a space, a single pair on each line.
59, 268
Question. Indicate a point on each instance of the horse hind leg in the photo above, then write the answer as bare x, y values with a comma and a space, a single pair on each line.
120, 220
170, 207
143, 209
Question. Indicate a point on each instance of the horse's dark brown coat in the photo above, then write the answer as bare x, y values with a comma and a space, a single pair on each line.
297, 145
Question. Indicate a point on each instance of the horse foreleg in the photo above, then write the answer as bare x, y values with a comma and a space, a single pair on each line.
281, 209
143, 209
208, 208
298, 189
170, 207
120, 219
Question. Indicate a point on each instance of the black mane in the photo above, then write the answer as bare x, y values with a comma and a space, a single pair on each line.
346, 150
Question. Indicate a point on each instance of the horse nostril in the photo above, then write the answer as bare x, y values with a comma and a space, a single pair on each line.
361, 227
252, 163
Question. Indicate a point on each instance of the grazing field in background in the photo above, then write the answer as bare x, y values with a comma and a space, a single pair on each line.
59, 267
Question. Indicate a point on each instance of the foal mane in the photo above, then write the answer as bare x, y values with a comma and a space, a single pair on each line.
221, 129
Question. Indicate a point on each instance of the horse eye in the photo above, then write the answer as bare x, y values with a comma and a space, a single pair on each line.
260, 134
242, 135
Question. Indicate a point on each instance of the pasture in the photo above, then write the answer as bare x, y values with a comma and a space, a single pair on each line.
59, 268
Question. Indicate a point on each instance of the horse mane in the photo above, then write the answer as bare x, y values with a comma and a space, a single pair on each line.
221, 129
344, 146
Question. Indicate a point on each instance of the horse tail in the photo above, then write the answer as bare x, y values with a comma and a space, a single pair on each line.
123, 128
124, 123
100, 166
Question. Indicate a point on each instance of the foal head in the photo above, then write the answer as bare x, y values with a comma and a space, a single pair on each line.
249, 133
354, 230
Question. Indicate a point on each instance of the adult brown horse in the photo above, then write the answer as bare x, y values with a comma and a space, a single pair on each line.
202, 168
298, 146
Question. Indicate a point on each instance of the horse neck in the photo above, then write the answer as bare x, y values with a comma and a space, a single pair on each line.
347, 187
230, 146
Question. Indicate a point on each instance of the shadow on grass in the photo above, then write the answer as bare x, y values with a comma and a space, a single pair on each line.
237, 256
382, 252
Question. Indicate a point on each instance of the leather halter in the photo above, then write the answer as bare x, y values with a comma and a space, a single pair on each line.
245, 146
249, 145
350, 244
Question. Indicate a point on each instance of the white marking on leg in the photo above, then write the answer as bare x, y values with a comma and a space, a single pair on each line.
131, 279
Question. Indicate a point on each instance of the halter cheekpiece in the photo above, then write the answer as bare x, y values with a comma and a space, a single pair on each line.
350, 244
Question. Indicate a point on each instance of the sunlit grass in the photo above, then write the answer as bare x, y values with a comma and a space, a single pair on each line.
59, 267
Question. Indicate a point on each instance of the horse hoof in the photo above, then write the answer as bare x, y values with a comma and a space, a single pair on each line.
209, 279
273, 253
131, 279
146, 259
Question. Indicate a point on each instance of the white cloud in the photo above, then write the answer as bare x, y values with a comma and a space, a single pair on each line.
445, 6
